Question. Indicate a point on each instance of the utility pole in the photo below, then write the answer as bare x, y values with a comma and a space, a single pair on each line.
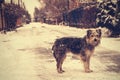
19, 2
2, 14
68, 4
24, 6
11, 1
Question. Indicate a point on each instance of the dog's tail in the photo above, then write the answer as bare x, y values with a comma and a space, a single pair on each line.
53, 51
53, 47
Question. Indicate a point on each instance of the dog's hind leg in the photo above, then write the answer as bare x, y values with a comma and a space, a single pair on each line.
60, 60
59, 52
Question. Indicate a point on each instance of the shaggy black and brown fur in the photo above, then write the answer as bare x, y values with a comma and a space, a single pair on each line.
83, 47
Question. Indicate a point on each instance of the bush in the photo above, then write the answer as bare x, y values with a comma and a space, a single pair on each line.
12, 12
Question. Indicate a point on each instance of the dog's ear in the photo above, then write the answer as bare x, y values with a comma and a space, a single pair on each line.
89, 33
99, 32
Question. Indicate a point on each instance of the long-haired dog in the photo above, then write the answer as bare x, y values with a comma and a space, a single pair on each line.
83, 47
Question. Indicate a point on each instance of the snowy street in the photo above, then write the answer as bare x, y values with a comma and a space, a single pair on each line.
26, 55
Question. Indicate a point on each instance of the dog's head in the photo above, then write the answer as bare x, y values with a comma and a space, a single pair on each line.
93, 37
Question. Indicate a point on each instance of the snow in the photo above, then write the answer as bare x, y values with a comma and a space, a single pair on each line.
26, 55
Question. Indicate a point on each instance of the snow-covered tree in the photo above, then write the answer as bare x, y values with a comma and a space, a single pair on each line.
107, 17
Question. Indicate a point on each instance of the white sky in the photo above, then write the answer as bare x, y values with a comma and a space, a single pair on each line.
30, 5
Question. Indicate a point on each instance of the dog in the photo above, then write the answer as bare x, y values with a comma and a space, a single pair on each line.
83, 47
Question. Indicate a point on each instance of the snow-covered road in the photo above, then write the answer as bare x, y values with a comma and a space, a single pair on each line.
26, 55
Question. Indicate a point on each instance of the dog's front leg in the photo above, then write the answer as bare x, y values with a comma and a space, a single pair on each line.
86, 62
87, 65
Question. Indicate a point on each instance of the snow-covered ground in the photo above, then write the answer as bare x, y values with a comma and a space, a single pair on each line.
26, 55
